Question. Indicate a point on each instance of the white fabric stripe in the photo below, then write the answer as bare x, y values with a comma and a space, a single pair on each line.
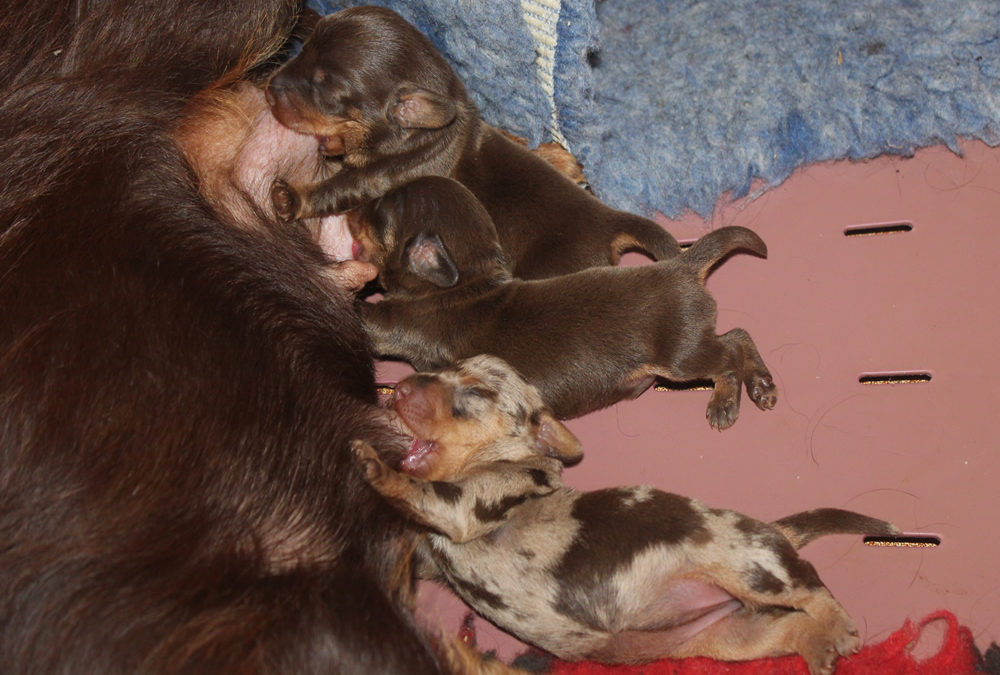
541, 18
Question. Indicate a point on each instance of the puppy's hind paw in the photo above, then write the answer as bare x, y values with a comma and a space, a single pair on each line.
722, 415
284, 200
762, 391
846, 639
826, 649
724, 406
824, 661
824, 664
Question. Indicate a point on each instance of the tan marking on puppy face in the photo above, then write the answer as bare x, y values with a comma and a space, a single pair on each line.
340, 135
477, 412
373, 249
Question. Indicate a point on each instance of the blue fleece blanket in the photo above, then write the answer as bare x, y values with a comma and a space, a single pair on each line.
671, 105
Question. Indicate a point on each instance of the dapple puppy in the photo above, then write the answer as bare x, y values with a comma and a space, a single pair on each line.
388, 108
620, 575
586, 340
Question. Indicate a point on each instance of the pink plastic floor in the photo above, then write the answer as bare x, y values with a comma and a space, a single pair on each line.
826, 310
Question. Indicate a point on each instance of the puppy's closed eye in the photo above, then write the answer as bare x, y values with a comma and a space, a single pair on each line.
482, 393
472, 402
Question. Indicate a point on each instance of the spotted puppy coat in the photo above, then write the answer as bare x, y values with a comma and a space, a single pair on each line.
620, 575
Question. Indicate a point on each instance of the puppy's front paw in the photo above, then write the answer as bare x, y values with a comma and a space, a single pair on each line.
367, 459
285, 201
724, 406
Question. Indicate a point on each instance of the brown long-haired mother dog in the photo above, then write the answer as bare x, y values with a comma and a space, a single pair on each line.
177, 388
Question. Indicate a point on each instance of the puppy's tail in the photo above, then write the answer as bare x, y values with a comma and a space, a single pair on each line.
708, 251
643, 235
802, 528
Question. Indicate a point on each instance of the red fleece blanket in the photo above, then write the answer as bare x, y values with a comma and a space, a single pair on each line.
957, 656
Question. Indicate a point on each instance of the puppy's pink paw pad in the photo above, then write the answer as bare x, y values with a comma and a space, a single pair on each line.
762, 391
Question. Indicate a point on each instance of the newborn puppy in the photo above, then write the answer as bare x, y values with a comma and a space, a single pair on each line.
620, 575
586, 340
387, 106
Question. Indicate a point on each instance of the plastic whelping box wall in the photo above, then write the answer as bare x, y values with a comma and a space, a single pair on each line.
913, 308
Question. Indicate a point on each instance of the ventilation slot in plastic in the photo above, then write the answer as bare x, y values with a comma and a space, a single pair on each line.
905, 541
908, 377
881, 228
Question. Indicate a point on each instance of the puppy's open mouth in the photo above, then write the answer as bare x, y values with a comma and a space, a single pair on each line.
417, 460
413, 413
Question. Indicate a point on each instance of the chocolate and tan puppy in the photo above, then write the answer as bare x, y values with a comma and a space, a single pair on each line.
388, 108
586, 340
620, 575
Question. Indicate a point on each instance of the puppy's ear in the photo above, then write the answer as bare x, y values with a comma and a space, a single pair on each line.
427, 257
555, 440
417, 108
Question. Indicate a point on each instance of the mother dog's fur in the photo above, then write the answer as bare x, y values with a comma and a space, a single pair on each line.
176, 392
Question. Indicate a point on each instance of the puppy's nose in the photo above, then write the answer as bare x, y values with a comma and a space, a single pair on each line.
409, 386
417, 401
403, 390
